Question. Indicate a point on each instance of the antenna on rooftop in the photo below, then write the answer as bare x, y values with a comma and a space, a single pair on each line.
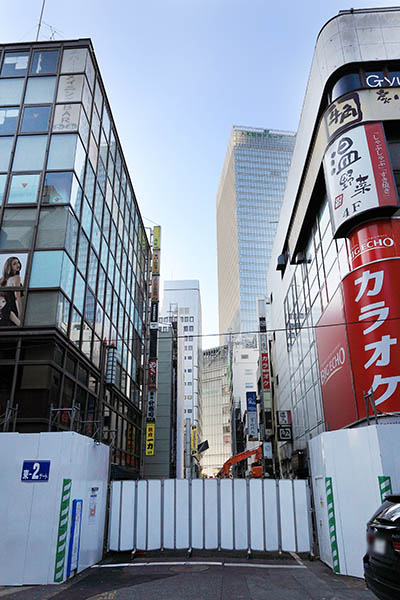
40, 20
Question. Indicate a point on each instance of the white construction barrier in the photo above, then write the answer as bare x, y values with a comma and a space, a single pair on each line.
53, 497
230, 514
351, 469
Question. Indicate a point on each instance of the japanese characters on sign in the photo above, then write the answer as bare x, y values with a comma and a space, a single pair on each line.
358, 175
252, 424
372, 310
155, 266
156, 237
155, 288
150, 438
266, 383
374, 241
35, 470
194, 441
152, 381
151, 406
343, 113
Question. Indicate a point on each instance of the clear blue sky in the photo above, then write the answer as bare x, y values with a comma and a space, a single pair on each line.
178, 75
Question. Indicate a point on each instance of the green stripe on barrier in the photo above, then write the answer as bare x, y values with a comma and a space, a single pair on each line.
385, 486
62, 531
332, 524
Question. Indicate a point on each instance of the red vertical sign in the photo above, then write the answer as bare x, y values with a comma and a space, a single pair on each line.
372, 310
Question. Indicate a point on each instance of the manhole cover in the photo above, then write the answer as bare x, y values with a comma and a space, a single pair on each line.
189, 568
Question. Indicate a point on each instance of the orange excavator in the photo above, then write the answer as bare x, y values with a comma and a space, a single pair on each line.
256, 467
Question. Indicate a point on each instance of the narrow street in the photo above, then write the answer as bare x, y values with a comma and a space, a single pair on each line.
202, 577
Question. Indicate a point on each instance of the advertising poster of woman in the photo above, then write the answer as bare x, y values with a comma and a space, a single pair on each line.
12, 273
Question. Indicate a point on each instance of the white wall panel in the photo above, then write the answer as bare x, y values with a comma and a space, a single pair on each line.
154, 515
240, 513
114, 522
127, 528
287, 515
141, 519
301, 510
256, 515
182, 514
270, 515
226, 513
169, 513
211, 513
197, 512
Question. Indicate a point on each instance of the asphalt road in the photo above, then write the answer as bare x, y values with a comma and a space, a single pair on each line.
118, 577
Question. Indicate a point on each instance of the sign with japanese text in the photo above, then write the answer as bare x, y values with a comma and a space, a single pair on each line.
372, 312
152, 371
156, 237
343, 113
155, 288
35, 470
154, 312
266, 383
155, 267
374, 240
151, 406
358, 176
334, 366
252, 424
150, 438
285, 434
283, 417
194, 441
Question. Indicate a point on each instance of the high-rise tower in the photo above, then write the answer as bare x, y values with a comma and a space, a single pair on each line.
248, 204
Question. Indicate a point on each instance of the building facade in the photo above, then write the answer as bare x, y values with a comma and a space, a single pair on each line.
249, 198
216, 408
73, 251
335, 260
181, 303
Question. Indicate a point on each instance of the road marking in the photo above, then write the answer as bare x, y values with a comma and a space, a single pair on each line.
197, 562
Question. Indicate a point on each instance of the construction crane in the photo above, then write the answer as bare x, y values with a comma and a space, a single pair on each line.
256, 467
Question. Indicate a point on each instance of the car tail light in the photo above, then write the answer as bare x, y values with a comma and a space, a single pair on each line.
370, 538
396, 546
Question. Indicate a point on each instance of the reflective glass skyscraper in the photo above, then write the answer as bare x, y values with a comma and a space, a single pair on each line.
248, 204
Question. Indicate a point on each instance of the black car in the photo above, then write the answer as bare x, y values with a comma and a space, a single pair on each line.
382, 560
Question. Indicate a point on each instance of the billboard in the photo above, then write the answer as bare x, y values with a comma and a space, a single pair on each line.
374, 240
358, 176
156, 237
12, 276
252, 424
372, 312
152, 371
335, 367
150, 437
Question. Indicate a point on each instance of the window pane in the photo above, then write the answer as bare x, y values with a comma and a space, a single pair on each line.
3, 179
46, 269
8, 120
40, 90
35, 118
11, 91
63, 309
62, 151
29, 153
74, 60
70, 88
24, 188
52, 227
5, 152
41, 308
17, 228
66, 117
44, 61
67, 275
60, 188
15, 63
79, 293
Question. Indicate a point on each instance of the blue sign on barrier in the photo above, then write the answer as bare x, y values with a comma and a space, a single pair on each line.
35, 470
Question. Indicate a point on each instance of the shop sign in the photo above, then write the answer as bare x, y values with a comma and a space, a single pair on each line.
283, 417
266, 383
252, 424
335, 367
151, 406
150, 438
343, 113
156, 237
155, 267
285, 434
358, 175
194, 441
152, 380
154, 312
372, 311
374, 240
155, 288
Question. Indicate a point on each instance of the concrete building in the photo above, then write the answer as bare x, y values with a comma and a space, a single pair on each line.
74, 255
216, 408
182, 304
249, 198
335, 258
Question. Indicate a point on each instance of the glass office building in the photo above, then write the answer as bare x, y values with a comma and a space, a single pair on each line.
74, 257
248, 204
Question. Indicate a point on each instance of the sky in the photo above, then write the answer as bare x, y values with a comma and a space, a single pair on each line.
178, 75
